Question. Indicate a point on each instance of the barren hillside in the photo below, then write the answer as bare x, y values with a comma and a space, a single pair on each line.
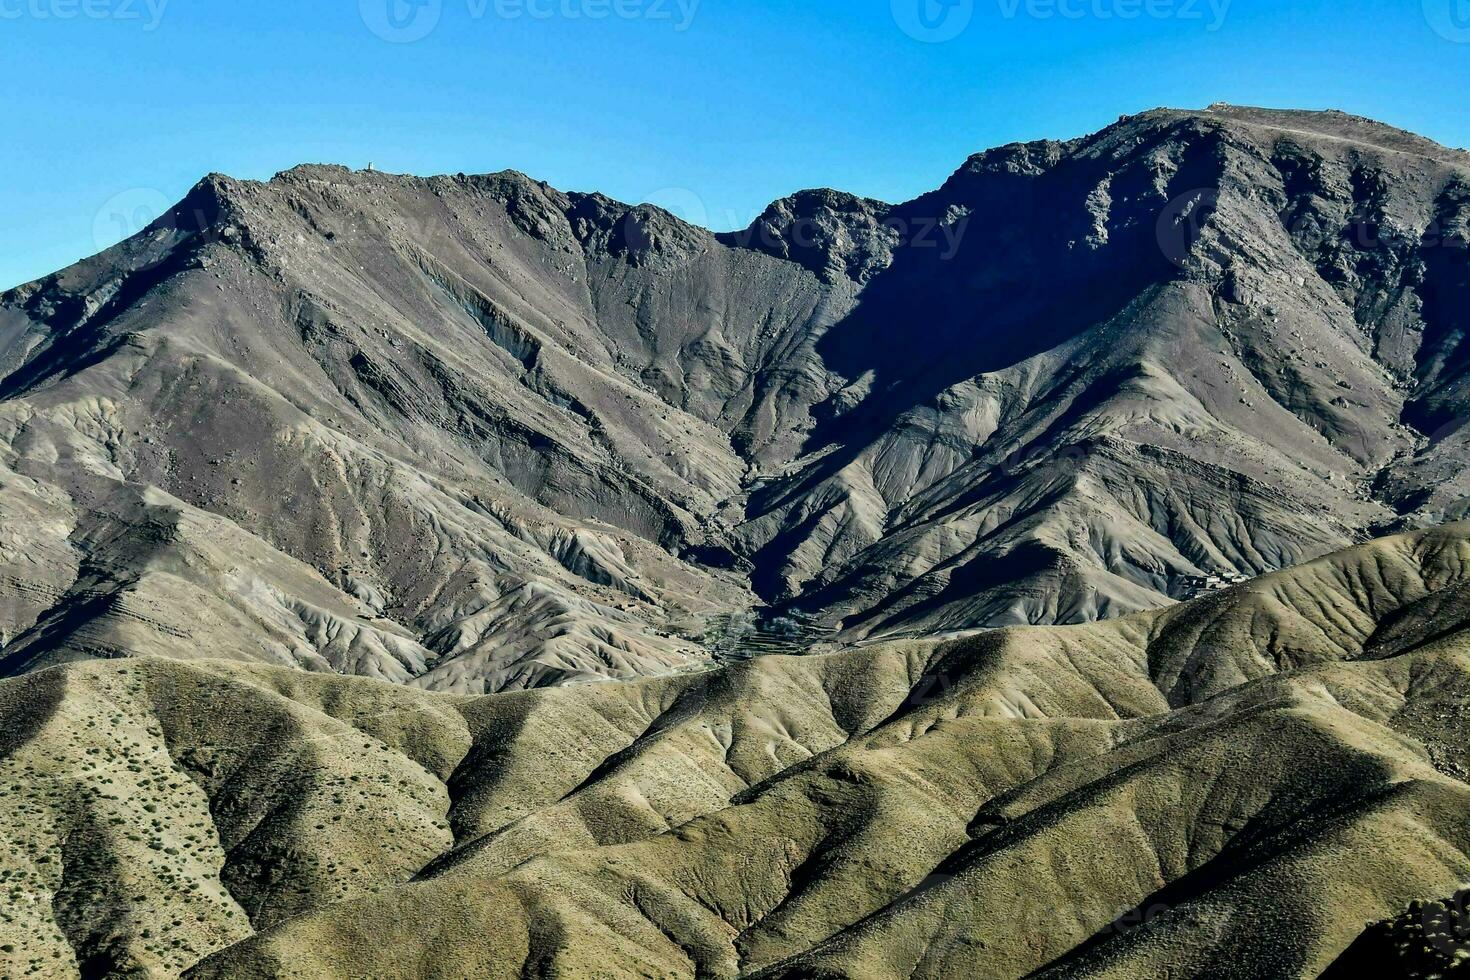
1231, 787
471, 433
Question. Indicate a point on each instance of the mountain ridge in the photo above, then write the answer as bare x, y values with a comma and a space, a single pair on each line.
1193, 344
457, 577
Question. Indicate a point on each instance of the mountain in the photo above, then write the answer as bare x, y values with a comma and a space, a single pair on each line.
1230, 787
473, 434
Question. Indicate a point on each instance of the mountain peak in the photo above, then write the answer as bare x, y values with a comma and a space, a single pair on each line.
1232, 306
1312, 125
834, 234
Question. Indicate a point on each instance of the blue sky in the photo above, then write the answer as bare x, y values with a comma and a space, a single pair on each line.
713, 108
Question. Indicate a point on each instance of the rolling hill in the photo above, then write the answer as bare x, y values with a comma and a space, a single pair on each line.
1237, 786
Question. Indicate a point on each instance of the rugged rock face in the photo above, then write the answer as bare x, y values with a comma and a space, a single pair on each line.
474, 433
1227, 788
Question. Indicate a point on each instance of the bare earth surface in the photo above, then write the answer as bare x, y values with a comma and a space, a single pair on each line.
396, 575
475, 434
1233, 787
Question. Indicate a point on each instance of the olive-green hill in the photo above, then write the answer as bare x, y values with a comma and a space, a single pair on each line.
1233, 787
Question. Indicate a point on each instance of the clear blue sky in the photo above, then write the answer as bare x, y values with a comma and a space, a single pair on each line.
115, 107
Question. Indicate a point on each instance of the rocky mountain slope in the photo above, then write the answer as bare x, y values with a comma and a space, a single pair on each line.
472, 433
1231, 787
